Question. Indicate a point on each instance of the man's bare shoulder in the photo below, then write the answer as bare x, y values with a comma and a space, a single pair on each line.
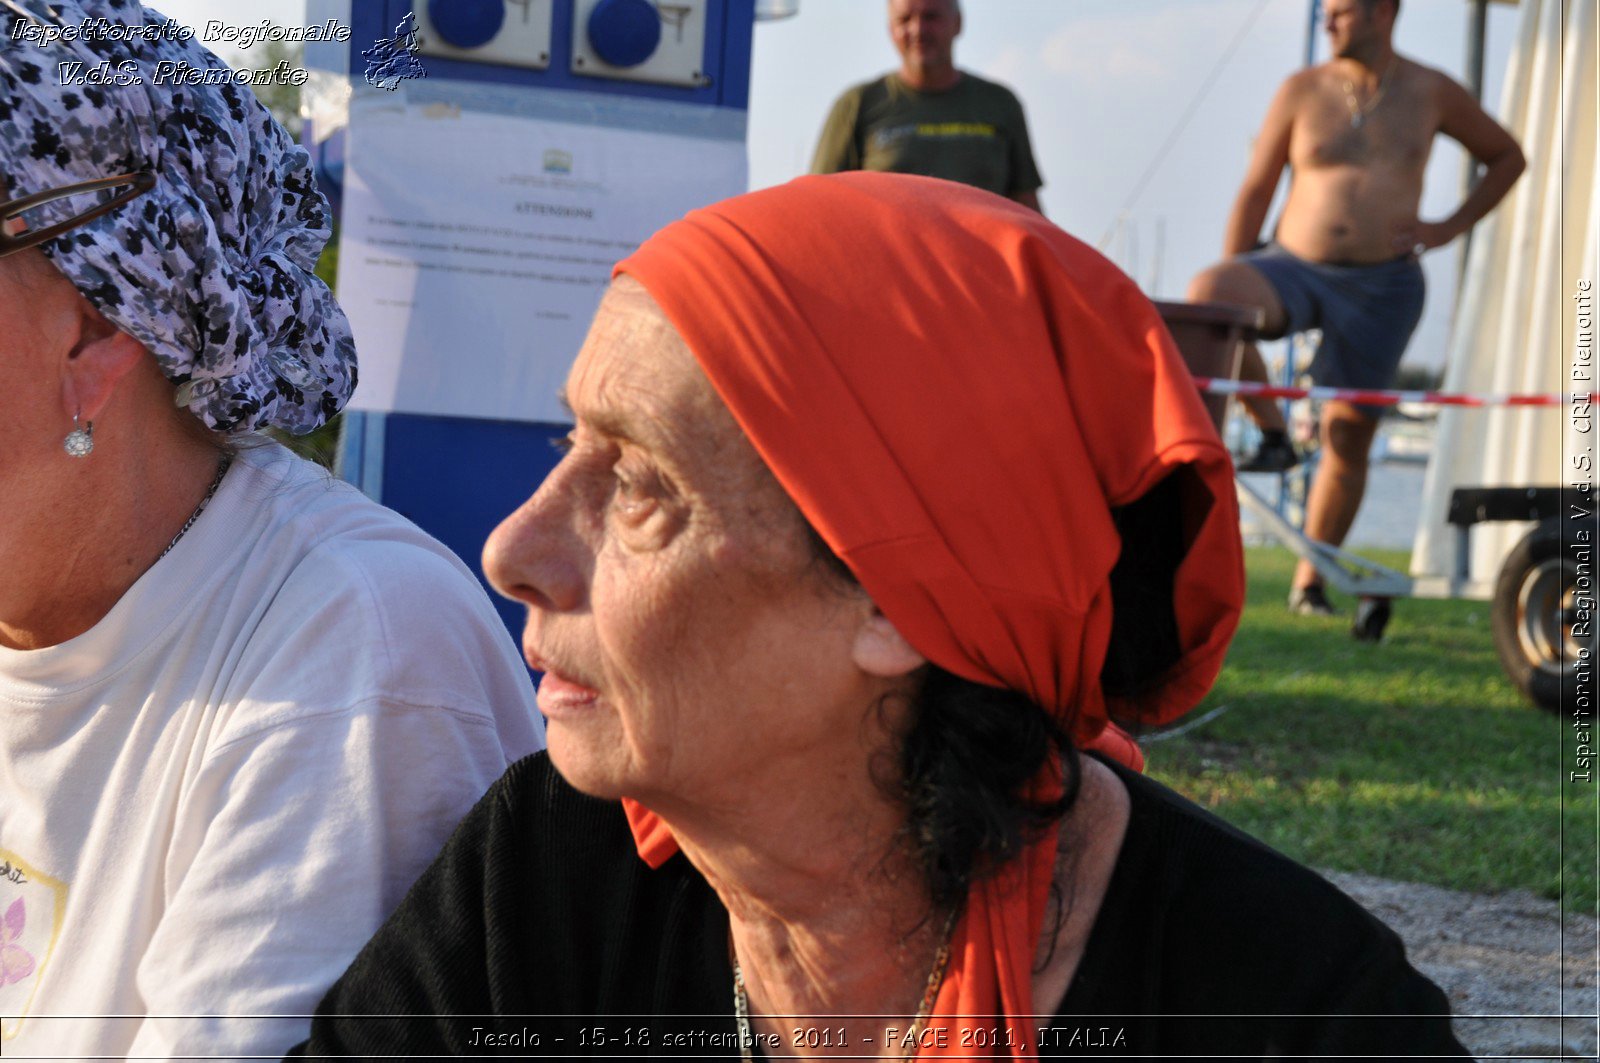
1330, 74
1303, 82
1429, 91
1294, 93
1435, 82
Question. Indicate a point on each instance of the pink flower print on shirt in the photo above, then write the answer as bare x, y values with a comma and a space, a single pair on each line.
16, 962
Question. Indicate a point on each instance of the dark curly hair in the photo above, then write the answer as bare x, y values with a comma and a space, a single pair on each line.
964, 763
969, 750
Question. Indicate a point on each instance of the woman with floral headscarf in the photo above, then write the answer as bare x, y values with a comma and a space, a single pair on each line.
240, 705
885, 499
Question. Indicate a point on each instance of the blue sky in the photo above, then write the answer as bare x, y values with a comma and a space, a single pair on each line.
1104, 83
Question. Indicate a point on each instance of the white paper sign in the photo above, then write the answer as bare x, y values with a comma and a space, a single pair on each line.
475, 246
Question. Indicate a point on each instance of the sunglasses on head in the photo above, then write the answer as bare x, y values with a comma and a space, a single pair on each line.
132, 185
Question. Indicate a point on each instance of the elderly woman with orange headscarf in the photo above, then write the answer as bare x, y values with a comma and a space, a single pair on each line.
884, 498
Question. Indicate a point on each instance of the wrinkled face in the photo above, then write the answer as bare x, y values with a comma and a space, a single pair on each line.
1352, 27
32, 295
38, 308
21, 367
39, 316
924, 32
691, 644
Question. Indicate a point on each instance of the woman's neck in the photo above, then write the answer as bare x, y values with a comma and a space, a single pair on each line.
94, 526
1089, 843
828, 913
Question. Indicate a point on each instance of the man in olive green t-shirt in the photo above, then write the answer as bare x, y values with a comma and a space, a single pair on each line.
929, 117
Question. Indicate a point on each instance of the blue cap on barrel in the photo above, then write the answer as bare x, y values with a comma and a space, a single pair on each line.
624, 32
467, 23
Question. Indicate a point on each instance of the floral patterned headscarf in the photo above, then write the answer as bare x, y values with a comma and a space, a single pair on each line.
212, 269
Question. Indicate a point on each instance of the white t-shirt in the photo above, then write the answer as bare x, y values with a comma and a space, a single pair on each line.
210, 800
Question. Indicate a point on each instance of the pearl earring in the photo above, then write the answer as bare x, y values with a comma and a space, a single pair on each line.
80, 441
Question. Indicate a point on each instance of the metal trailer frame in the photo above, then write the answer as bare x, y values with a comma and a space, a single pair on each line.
1532, 596
1537, 633
1366, 578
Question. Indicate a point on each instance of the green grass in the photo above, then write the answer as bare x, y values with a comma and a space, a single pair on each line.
1413, 758
321, 446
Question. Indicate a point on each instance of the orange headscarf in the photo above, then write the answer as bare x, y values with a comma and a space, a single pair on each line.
957, 394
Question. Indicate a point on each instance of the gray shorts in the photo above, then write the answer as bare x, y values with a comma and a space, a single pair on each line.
1366, 313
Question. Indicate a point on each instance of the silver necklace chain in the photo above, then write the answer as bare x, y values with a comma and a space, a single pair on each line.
941, 960
1359, 111
216, 482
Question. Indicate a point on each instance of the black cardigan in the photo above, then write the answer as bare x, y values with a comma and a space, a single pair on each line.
539, 931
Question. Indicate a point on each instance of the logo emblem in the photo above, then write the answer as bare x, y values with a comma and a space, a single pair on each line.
392, 60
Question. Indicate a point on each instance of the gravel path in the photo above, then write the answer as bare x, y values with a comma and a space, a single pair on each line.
1498, 955
1494, 955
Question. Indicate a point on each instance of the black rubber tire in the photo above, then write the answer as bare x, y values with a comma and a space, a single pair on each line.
1531, 617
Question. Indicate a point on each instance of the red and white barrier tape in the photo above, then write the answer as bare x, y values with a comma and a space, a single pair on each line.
1219, 386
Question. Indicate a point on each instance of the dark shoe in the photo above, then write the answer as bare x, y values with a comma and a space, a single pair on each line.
1311, 601
1372, 616
1275, 454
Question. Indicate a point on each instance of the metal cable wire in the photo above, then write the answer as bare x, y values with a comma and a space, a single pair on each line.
1183, 122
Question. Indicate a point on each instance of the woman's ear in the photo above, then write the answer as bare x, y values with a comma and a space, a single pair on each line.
882, 651
98, 361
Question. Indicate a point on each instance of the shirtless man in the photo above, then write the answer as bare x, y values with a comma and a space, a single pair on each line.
1356, 132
